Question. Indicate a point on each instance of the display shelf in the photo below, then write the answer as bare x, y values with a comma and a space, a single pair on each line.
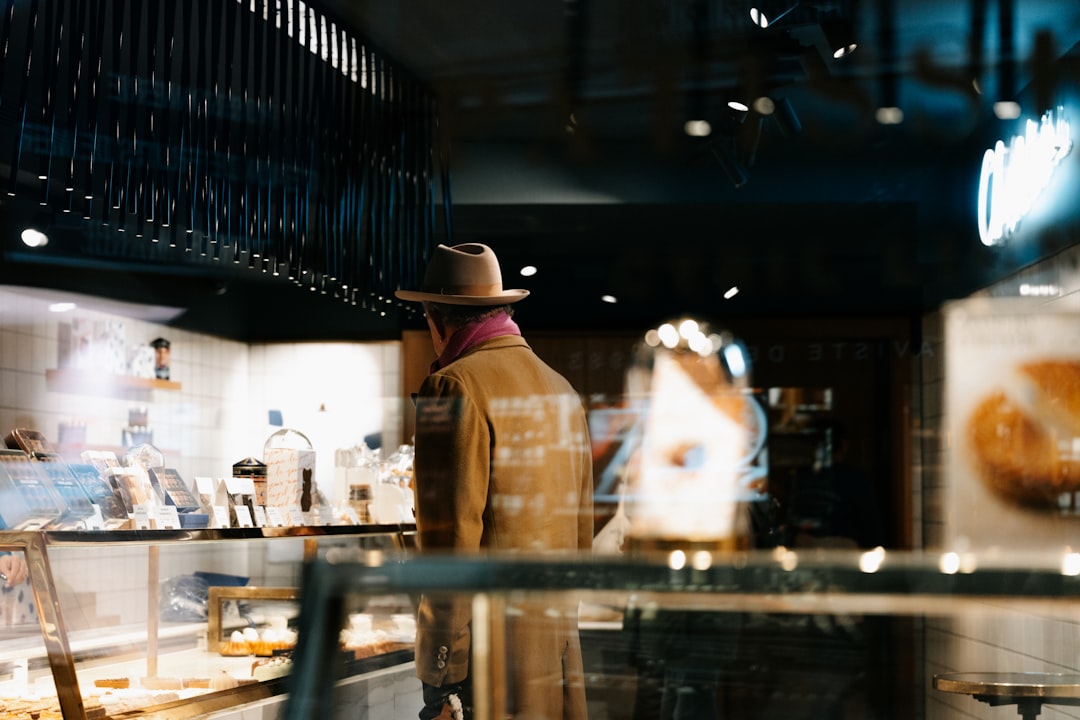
66, 660
751, 622
93, 382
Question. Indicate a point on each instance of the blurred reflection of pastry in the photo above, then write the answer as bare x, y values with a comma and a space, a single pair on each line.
1025, 442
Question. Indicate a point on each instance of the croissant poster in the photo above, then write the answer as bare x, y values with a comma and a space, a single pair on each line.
1012, 425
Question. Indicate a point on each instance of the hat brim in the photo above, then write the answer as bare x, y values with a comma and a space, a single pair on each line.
504, 298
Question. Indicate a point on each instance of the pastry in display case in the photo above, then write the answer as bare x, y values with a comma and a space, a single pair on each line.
116, 644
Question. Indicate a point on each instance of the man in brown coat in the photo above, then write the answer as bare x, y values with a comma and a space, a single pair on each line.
503, 463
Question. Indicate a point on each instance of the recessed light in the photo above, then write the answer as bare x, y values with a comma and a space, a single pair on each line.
610, 299
528, 271
60, 307
731, 292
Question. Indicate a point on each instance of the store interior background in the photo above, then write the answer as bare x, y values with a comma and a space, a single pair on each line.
845, 242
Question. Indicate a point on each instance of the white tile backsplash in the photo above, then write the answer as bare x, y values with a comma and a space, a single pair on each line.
218, 417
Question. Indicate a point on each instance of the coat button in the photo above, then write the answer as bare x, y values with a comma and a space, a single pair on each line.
443, 649
440, 664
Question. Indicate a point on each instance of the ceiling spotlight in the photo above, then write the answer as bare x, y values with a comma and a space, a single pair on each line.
610, 299
697, 128
1006, 109
738, 106
765, 13
839, 33
731, 292
764, 105
528, 271
34, 238
890, 115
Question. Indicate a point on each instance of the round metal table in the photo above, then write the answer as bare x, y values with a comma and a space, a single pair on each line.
1029, 691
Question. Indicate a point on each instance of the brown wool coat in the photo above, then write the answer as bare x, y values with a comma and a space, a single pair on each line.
503, 462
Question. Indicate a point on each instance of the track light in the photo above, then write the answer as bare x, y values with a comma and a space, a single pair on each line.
734, 170
839, 31
765, 13
786, 118
1006, 107
888, 110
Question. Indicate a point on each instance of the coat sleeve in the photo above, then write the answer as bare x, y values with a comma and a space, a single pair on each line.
451, 467
451, 474
585, 500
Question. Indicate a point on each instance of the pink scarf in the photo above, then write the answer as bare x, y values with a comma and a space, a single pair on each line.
473, 334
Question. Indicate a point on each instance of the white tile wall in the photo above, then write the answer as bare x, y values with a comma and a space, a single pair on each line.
335, 393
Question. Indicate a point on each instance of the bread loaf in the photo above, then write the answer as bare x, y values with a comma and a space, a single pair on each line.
1024, 437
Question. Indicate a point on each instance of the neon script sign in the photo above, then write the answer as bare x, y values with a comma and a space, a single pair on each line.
1014, 175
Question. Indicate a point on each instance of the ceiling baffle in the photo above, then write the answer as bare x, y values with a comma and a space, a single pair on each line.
243, 132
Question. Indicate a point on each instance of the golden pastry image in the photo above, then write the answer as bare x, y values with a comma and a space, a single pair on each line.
1025, 444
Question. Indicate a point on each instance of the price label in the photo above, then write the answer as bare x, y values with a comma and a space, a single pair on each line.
168, 518
260, 516
141, 515
95, 521
350, 514
296, 516
221, 516
243, 516
274, 518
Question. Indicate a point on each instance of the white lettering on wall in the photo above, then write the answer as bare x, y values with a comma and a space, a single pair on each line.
1014, 175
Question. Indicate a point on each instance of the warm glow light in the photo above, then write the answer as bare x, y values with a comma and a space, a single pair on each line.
731, 292
34, 238
765, 105
889, 115
949, 563
702, 560
688, 328
677, 560
1006, 109
871, 560
1070, 564
528, 271
697, 128
668, 335
788, 559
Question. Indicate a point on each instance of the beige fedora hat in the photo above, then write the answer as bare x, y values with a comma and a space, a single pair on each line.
466, 274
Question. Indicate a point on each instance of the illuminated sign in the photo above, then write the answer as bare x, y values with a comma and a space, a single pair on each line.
1014, 175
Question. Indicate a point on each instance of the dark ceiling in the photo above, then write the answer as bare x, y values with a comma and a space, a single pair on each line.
563, 129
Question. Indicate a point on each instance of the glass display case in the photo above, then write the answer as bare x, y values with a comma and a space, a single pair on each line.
815, 633
168, 623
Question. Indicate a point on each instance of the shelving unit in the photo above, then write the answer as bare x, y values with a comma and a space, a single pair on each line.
93, 382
